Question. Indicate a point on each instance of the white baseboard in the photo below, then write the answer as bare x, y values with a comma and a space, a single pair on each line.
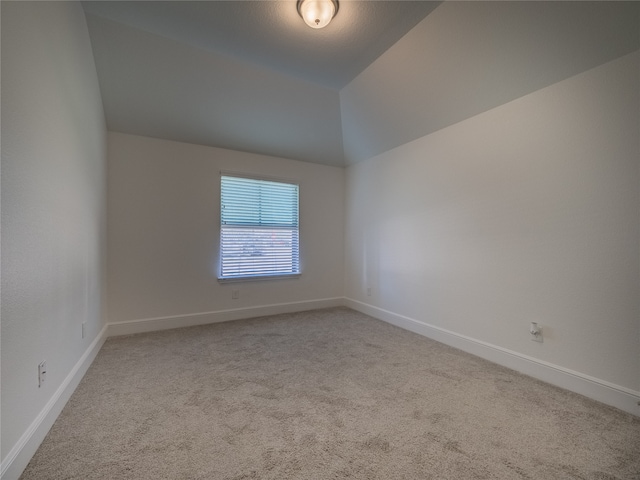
600, 390
190, 320
20, 455
18, 458
614, 395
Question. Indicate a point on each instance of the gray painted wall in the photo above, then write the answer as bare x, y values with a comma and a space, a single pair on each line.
527, 212
164, 230
53, 204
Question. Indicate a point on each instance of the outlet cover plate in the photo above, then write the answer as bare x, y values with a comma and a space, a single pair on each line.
537, 338
42, 373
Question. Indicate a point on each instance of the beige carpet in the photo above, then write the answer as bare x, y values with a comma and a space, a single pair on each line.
327, 394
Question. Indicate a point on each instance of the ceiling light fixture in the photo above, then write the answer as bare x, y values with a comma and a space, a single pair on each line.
317, 13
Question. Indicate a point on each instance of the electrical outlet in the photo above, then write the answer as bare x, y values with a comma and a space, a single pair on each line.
536, 332
235, 294
42, 373
368, 291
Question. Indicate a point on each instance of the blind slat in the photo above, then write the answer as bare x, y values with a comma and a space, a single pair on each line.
259, 228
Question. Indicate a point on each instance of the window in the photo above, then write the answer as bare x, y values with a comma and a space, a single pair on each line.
258, 228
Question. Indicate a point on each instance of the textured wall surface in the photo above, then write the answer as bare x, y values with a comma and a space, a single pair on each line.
53, 204
164, 214
528, 212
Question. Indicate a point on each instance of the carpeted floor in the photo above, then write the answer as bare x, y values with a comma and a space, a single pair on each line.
327, 394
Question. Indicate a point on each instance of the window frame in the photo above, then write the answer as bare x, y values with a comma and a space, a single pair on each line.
253, 277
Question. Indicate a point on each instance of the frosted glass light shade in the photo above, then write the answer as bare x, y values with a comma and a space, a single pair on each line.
317, 13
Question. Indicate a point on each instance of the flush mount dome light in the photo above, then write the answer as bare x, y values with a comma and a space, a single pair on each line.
317, 13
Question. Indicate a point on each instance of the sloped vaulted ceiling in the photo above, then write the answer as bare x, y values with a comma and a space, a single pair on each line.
160, 87
244, 75
250, 76
468, 57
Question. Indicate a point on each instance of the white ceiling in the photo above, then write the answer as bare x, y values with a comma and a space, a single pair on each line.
270, 33
242, 75
466, 58
251, 76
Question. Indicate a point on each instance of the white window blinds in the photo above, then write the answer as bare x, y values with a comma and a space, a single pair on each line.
259, 228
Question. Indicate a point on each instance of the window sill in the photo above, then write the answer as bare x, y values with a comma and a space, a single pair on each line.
258, 278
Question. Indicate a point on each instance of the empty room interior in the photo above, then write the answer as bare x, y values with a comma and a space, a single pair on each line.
320, 239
